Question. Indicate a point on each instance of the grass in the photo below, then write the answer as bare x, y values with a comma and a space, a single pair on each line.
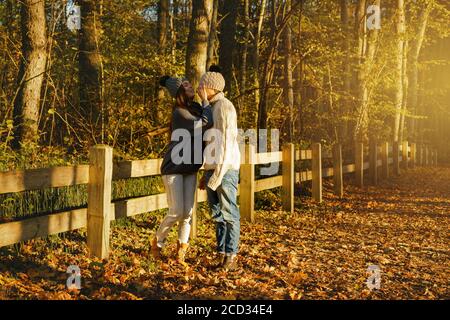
36, 202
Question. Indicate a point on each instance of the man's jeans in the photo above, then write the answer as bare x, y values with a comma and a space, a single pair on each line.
225, 211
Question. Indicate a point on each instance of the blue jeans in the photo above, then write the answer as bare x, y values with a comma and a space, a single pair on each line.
225, 211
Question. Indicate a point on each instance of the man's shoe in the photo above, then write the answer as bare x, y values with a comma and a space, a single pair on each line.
230, 263
219, 261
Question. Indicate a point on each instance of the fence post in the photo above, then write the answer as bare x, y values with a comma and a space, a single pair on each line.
423, 161
413, 155
337, 171
405, 155
385, 160
419, 155
288, 177
359, 164
395, 157
373, 161
317, 172
436, 157
99, 200
431, 157
427, 156
247, 185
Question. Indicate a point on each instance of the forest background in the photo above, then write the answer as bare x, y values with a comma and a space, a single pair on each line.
319, 71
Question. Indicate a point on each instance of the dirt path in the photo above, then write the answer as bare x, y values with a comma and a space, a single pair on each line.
320, 252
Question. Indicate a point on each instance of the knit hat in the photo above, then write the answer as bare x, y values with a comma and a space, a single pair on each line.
171, 84
213, 79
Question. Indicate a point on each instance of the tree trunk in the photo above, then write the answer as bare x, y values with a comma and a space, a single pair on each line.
173, 31
162, 27
288, 82
367, 47
268, 70
31, 71
227, 39
416, 45
246, 39
9, 15
360, 35
90, 68
357, 58
212, 40
298, 98
405, 91
346, 69
187, 13
198, 40
266, 79
256, 51
175, 7
400, 31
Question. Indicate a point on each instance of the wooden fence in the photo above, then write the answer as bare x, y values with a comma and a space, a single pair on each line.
101, 171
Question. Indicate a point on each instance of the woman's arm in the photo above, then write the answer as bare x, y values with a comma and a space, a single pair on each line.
204, 112
184, 119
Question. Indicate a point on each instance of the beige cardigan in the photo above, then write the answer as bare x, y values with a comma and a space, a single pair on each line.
222, 147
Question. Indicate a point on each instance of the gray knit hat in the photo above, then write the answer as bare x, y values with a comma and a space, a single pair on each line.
171, 84
213, 79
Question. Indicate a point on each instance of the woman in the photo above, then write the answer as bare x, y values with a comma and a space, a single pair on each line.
179, 171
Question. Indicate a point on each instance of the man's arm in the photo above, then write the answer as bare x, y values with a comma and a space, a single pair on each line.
221, 124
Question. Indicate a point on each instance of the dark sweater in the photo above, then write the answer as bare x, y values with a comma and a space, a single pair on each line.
187, 119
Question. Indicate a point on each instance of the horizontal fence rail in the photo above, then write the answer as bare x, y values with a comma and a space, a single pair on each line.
36, 179
102, 170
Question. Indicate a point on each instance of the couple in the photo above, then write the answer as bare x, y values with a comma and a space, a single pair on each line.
216, 114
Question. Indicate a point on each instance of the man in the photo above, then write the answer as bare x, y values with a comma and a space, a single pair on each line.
222, 162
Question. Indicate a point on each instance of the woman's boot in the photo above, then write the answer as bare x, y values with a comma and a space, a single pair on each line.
181, 252
156, 251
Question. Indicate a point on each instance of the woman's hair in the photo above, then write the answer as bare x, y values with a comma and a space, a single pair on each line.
182, 100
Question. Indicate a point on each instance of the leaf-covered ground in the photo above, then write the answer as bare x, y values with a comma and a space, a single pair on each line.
320, 252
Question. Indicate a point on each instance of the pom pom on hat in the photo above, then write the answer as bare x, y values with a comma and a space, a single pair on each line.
162, 81
215, 68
